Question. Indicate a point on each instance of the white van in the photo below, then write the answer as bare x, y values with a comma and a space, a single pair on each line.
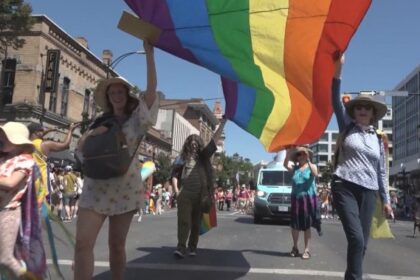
273, 191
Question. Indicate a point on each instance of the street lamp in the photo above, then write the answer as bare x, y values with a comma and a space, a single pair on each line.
404, 177
113, 64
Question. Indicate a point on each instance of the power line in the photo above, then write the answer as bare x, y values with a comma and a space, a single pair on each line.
188, 101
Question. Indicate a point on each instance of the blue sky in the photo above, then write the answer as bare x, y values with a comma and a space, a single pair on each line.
385, 49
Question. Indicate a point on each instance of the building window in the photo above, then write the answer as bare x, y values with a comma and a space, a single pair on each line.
86, 102
65, 96
323, 148
413, 85
93, 108
8, 80
324, 137
387, 124
53, 102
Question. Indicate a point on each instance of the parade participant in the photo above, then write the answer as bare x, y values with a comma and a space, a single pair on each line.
360, 171
116, 198
220, 199
79, 190
159, 199
325, 195
394, 203
16, 166
56, 194
243, 199
69, 193
42, 151
229, 197
194, 173
304, 197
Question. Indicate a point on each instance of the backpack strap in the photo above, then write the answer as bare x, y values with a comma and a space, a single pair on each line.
339, 144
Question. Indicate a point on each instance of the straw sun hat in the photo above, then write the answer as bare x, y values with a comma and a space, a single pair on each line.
102, 88
17, 133
379, 107
300, 149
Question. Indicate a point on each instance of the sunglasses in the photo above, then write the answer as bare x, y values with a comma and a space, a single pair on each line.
367, 107
298, 154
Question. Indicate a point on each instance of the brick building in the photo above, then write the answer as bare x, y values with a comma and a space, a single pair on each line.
51, 80
196, 112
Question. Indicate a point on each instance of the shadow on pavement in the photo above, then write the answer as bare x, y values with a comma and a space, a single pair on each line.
250, 220
269, 253
159, 262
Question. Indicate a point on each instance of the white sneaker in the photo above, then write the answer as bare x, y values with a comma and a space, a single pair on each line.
139, 219
192, 253
179, 254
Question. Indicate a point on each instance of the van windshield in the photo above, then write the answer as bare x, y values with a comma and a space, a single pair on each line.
275, 178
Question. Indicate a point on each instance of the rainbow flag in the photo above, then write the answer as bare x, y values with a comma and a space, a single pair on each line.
147, 169
208, 220
275, 57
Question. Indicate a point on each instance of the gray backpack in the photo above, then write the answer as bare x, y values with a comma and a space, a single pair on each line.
106, 155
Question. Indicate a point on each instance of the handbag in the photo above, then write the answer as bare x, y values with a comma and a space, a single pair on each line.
206, 203
106, 155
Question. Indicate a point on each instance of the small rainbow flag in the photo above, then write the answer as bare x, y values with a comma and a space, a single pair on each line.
147, 169
208, 221
275, 57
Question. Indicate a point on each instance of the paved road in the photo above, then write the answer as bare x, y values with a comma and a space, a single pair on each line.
238, 249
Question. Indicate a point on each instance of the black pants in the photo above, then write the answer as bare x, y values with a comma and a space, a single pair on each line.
221, 205
228, 202
355, 206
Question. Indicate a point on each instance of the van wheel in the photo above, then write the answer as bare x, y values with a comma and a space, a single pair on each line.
257, 219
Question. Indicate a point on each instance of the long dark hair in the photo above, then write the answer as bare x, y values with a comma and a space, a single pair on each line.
187, 147
187, 152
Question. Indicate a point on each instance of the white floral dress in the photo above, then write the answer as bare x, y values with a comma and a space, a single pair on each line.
122, 194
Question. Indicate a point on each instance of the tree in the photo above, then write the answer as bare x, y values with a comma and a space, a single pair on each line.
226, 176
164, 167
15, 20
326, 173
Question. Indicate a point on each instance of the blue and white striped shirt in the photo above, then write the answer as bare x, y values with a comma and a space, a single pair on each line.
361, 159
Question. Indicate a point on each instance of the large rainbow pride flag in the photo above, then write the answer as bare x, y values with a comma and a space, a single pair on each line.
275, 57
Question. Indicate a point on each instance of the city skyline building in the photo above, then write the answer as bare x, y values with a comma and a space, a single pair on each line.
174, 127
406, 153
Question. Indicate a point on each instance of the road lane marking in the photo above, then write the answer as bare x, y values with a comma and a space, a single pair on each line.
234, 213
244, 270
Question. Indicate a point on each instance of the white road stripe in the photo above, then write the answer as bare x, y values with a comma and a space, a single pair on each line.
189, 267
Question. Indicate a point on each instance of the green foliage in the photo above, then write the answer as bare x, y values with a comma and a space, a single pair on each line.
326, 173
227, 168
15, 19
164, 168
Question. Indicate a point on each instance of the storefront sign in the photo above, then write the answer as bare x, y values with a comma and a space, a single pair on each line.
51, 75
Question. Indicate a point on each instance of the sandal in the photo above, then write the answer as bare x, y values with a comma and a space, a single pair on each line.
294, 252
306, 255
